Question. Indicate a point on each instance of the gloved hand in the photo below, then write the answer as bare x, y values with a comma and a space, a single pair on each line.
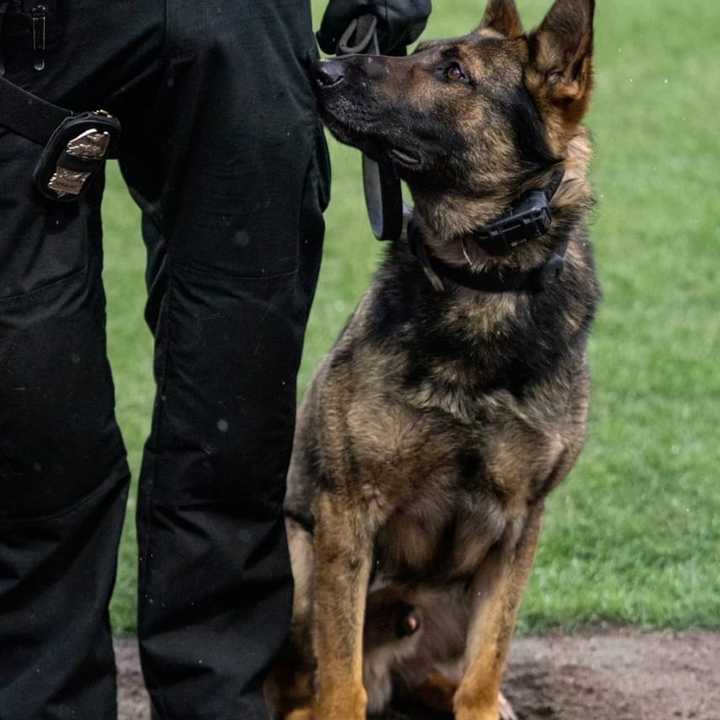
400, 21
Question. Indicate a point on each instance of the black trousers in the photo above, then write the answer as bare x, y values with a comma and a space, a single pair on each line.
223, 152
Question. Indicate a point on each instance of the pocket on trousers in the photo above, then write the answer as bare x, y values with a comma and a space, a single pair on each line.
33, 262
58, 437
41, 243
228, 408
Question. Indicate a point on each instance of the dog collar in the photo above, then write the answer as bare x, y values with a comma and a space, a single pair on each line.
528, 219
497, 280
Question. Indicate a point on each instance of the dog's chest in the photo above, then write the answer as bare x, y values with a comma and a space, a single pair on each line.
448, 489
434, 541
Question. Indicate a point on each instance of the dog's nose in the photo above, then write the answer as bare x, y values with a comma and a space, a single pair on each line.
329, 73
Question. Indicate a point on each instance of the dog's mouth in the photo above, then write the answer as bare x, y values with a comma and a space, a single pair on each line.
408, 158
371, 142
359, 124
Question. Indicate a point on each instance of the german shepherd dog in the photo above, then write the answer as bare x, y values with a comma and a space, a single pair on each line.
456, 398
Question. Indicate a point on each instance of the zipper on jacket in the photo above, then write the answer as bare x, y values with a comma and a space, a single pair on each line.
39, 16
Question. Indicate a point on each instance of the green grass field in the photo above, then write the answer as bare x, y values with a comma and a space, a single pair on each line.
634, 535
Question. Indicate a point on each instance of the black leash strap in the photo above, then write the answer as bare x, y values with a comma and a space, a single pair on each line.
383, 190
27, 114
360, 38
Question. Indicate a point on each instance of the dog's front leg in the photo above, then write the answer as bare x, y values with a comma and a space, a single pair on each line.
343, 555
498, 590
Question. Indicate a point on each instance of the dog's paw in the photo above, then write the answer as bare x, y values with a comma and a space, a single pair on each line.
301, 714
345, 705
504, 711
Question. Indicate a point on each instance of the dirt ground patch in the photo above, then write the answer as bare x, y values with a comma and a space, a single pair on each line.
618, 675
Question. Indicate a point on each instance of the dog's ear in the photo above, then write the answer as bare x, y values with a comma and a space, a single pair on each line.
503, 17
561, 58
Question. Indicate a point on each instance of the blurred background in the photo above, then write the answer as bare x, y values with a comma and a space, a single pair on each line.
633, 536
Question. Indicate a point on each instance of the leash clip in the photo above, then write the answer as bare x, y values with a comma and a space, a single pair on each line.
75, 153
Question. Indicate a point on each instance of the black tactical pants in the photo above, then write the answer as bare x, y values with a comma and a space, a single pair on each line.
222, 151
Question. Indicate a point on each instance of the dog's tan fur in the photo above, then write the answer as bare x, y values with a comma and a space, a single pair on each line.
418, 478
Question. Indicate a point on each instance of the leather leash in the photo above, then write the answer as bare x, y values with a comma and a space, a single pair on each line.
383, 190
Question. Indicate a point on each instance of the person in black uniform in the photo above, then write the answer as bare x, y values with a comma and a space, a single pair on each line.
222, 150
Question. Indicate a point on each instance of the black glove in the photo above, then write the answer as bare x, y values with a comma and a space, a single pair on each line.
401, 22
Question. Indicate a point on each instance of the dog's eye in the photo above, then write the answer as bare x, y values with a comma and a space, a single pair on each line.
455, 73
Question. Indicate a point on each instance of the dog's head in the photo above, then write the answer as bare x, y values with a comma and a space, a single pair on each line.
473, 118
